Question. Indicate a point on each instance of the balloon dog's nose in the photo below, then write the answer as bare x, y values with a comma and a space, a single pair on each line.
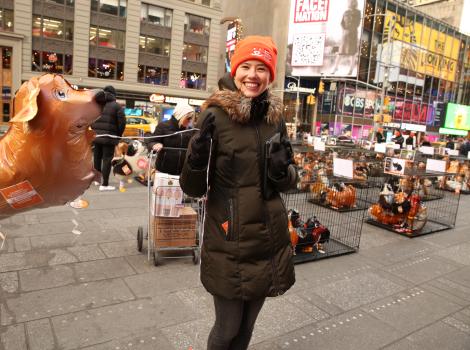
100, 96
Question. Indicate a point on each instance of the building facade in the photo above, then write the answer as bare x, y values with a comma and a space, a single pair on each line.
404, 57
168, 49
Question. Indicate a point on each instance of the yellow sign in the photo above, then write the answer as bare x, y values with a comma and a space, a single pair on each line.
430, 51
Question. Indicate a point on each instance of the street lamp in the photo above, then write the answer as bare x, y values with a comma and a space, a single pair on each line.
297, 101
384, 65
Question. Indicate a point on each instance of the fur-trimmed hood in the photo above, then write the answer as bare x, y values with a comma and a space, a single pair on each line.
238, 107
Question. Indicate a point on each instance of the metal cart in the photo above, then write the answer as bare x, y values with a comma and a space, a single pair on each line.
175, 235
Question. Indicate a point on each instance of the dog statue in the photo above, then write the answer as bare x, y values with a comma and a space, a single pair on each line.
45, 156
130, 160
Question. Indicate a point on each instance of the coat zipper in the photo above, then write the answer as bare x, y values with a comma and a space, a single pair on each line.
230, 221
266, 216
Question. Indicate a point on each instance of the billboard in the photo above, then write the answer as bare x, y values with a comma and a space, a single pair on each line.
324, 37
421, 49
457, 117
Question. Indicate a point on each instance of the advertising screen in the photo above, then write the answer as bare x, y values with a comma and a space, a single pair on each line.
133, 111
457, 117
324, 37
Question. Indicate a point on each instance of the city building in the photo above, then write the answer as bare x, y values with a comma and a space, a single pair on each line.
378, 61
168, 50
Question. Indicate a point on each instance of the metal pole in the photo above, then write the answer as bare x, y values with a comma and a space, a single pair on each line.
314, 121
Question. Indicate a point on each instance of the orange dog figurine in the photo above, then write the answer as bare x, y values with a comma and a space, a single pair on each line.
45, 156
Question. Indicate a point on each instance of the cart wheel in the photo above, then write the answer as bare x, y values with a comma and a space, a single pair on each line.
156, 262
140, 238
196, 256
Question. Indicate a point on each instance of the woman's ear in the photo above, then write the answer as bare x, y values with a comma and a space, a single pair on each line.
25, 103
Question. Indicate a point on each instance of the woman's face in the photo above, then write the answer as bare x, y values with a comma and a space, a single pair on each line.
186, 120
252, 78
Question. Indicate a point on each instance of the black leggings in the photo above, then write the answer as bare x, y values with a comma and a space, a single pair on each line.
102, 157
234, 323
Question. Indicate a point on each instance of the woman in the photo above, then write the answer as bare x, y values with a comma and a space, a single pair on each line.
246, 253
350, 23
172, 149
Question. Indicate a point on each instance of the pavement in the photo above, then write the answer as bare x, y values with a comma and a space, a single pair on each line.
91, 289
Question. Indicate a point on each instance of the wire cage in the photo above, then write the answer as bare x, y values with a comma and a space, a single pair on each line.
321, 229
414, 205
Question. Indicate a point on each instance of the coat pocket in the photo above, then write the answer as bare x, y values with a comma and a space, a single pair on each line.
228, 225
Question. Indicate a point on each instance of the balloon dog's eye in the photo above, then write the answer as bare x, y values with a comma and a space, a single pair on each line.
60, 95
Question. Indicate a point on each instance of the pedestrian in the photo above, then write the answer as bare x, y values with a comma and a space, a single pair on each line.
379, 135
410, 141
111, 122
246, 252
425, 142
172, 149
450, 143
398, 138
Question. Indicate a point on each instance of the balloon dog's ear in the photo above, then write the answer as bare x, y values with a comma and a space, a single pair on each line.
25, 103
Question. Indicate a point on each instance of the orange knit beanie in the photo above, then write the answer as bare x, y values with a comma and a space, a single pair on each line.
261, 48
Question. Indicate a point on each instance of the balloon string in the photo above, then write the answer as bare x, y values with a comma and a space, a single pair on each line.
146, 137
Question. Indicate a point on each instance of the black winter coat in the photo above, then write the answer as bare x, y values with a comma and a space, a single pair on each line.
246, 252
168, 160
112, 121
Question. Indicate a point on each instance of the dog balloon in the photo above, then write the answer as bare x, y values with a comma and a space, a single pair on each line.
45, 156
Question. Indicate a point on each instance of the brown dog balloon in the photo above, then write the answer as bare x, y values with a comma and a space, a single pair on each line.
45, 156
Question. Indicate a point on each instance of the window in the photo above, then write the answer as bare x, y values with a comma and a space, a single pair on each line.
195, 53
105, 69
156, 15
206, 2
52, 28
192, 80
6, 20
158, 46
196, 24
62, 2
152, 75
110, 7
110, 38
52, 62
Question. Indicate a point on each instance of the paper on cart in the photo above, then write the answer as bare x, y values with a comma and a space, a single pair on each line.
167, 196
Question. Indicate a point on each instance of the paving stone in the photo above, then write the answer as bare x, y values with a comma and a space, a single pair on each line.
198, 300
266, 345
150, 340
458, 324
398, 251
61, 256
461, 276
141, 264
102, 269
449, 290
319, 302
46, 277
87, 252
61, 300
372, 237
115, 249
434, 337
12, 262
352, 330
193, 333
68, 215
22, 244
361, 289
417, 308
459, 253
421, 269
37, 229
40, 336
163, 281
107, 323
269, 323
13, 337
307, 307
8, 282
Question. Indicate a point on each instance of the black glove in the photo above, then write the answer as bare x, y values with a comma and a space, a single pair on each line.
201, 144
280, 160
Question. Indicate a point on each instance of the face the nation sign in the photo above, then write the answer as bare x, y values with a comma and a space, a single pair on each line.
311, 11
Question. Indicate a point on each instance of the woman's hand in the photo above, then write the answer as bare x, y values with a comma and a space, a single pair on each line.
157, 147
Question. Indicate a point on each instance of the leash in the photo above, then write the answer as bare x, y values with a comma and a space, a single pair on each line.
146, 137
